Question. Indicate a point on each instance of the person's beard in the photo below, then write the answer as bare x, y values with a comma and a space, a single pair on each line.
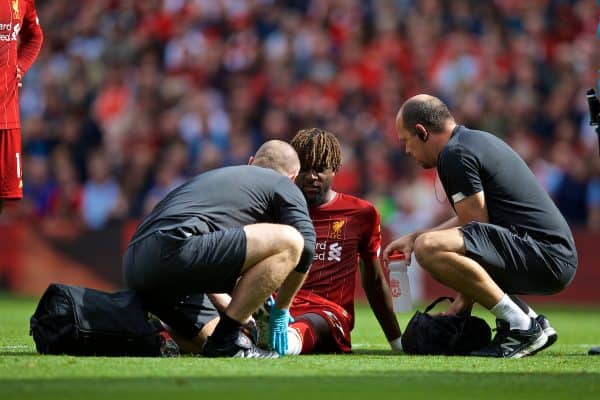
317, 197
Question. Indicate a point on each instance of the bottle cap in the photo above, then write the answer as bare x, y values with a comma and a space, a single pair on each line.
396, 256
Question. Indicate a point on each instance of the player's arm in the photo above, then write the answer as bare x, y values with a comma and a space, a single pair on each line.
406, 243
472, 208
30, 39
289, 288
293, 211
373, 281
379, 297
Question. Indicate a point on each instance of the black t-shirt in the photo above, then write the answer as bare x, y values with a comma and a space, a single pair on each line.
232, 197
474, 161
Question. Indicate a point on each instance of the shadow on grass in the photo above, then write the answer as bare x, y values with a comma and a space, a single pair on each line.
413, 385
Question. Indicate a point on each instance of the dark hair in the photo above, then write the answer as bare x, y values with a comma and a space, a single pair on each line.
431, 112
317, 149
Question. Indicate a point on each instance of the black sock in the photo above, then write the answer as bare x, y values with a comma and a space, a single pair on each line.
522, 305
227, 328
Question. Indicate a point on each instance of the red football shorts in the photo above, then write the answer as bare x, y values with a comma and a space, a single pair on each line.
11, 177
338, 319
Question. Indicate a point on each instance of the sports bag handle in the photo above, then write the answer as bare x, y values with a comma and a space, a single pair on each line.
437, 301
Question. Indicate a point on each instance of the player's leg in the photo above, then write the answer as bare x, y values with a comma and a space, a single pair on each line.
271, 253
540, 318
251, 262
189, 320
307, 333
11, 166
444, 255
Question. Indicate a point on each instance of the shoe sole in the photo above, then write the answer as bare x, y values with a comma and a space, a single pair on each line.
245, 354
532, 348
552, 338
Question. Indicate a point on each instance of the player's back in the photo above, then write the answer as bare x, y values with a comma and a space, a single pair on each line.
223, 198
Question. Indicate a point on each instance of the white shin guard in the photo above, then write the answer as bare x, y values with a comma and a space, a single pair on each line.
294, 343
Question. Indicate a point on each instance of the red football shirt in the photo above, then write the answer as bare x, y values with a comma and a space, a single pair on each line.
20, 42
348, 228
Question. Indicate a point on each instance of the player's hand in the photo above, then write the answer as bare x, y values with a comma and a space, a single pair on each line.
460, 306
278, 325
404, 244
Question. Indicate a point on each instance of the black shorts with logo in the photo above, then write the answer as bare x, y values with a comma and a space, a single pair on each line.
516, 262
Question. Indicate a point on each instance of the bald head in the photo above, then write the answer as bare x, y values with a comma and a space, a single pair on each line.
279, 156
426, 110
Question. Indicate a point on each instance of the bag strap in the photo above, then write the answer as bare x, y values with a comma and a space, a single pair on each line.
437, 301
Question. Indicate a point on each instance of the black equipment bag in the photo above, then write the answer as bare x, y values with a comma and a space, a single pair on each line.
444, 334
80, 321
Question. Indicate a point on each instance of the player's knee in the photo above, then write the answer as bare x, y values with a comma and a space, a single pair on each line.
292, 243
425, 247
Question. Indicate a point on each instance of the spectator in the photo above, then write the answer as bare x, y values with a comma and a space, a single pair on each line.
132, 77
102, 198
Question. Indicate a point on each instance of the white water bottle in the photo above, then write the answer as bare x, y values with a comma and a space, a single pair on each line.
399, 284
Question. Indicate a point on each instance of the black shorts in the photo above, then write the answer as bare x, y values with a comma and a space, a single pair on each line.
516, 262
186, 316
174, 263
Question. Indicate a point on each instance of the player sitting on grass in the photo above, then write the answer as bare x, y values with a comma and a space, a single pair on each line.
347, 231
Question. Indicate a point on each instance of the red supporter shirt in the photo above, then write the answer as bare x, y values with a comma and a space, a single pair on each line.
347, 228
20, 42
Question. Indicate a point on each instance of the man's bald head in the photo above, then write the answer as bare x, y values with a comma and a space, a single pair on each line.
279, 156
426, 110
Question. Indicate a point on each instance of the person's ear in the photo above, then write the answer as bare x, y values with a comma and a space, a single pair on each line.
251, 160
422, 133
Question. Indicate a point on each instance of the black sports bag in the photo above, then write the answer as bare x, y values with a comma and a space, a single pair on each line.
80, 321
444, 334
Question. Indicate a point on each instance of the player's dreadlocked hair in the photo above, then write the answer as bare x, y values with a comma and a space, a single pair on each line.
317, 149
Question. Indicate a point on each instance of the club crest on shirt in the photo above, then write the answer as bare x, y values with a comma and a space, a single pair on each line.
15, 9
336, 230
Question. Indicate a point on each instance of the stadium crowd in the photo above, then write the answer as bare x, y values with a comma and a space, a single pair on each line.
129, 98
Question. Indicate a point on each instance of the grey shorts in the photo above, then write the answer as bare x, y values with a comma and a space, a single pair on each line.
174, 263
516, 262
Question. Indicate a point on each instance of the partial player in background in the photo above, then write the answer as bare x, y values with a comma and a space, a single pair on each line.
348, 232
20, 42
507, 238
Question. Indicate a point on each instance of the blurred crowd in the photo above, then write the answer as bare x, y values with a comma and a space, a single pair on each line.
130, 98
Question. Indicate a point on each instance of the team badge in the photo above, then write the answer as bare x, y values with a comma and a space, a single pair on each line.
336, 230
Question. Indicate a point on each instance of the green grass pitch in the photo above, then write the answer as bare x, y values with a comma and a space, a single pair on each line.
564, 371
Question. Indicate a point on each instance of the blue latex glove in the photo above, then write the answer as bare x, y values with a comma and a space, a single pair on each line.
278, 324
